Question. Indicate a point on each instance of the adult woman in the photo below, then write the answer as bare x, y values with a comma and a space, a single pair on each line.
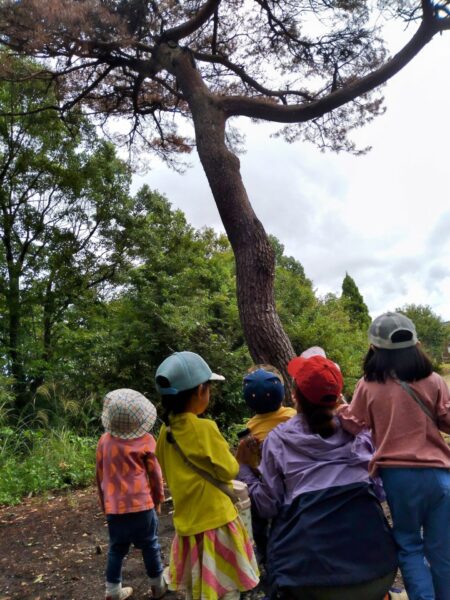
329, 538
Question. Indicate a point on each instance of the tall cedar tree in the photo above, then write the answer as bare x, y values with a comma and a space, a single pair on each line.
310, 64
354, 303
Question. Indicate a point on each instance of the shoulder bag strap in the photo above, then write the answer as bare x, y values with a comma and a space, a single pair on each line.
408, 389
218, 484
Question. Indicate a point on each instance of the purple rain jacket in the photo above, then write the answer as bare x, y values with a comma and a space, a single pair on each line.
328, 528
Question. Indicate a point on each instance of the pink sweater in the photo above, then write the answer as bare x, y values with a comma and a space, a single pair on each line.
403, 435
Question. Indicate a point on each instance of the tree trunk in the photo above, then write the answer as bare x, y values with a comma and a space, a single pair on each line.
254, 255
47, 323
47, 337
16, 362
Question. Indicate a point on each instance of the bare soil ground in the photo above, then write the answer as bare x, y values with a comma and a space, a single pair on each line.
54, 548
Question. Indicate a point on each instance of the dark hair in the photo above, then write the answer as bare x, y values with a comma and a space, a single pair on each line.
175, 404
320, 418
408, 364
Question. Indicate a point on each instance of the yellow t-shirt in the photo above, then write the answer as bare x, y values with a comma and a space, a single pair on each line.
262, 424
198, 504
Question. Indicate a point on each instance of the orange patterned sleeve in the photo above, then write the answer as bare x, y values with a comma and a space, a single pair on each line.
155, 478
99, 475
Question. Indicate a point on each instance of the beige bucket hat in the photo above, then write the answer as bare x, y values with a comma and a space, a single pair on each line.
127, 414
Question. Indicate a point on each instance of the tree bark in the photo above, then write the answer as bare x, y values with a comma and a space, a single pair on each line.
47, 322
14, 315
254, 256
16, 361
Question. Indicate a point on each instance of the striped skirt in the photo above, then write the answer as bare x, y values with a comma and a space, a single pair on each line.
210, 564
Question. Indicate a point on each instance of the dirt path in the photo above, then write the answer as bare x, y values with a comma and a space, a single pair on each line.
54, 548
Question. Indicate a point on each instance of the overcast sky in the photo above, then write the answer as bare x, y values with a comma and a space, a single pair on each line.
384, 218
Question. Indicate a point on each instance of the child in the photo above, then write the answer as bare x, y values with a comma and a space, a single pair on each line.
130, 488
263, 391
211, 555
411, 455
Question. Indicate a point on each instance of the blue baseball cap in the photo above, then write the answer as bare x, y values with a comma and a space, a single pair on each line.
263, 391
183, 371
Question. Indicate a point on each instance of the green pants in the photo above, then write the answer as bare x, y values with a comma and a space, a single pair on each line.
376, 589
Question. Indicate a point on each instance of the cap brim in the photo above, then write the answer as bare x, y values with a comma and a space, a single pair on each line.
215, 377
167, 391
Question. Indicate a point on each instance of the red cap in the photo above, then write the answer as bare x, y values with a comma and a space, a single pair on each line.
316, 377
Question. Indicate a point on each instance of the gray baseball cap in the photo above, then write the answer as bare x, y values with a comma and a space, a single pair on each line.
383, 327
183, 371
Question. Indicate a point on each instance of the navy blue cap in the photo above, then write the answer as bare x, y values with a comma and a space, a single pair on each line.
263, 391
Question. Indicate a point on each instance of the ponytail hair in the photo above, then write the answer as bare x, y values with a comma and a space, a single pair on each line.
320, 418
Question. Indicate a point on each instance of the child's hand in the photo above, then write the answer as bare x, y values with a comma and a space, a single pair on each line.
248, 448
341, 401
158, 509
341, 405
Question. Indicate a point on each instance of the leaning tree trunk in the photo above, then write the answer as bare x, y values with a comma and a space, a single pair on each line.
254, 255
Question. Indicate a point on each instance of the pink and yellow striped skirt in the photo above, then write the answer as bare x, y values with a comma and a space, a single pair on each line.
210, 564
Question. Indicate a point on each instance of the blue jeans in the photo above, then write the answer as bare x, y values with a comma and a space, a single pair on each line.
139, 529
419, 500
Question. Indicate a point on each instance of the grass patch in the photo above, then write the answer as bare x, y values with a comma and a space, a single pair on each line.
35, 461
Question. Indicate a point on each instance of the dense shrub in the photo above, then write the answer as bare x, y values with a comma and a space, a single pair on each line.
33, 462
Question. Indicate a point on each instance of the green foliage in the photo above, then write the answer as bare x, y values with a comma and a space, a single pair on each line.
231, 433
180, 295
326, 323
63, 199
176, 291
43, 460
311, 321
354, 303
431, 329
